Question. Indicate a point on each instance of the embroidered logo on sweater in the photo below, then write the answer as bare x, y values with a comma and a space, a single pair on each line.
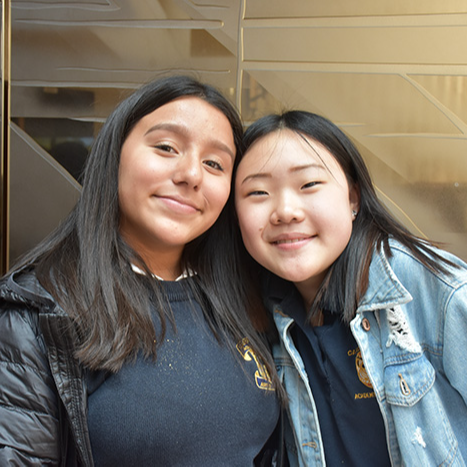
262, 378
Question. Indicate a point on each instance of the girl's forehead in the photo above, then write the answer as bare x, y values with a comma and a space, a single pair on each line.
289, 147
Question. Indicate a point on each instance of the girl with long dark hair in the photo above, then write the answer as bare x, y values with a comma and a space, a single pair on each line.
372, 319
127, 336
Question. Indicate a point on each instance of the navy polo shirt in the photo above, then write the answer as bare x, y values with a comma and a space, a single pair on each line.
351, 423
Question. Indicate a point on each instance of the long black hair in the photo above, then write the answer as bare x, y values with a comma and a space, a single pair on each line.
86, 265
347, 279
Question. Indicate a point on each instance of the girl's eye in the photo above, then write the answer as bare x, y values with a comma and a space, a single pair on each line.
214, 165
165, 147
257, 193
310, 184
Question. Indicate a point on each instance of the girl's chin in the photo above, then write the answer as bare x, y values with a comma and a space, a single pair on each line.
296, 278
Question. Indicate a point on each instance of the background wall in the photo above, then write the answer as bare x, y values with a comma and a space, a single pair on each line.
392, 74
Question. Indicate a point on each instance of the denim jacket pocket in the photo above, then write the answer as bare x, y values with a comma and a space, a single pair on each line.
421, 426
408, 381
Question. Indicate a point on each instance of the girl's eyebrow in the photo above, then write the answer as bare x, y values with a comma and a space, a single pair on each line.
298, 168
256, 176
166, 126
174, 128
313, 165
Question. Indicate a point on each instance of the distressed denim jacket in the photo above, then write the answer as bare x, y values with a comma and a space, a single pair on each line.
411, 328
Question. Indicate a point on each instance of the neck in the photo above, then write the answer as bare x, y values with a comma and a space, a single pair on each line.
162, 262
307, 292
309, 288
168, 272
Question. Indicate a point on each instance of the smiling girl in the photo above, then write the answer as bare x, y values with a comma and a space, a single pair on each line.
126, 336
372, 320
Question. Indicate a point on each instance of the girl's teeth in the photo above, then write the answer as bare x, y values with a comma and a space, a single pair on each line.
295, 240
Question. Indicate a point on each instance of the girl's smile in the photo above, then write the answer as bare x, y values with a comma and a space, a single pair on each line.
291, 241
294, 206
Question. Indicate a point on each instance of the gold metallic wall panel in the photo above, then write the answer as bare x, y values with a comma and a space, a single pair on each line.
43, 193
389, 45
392, 75
449, 92
339, 8
430, 163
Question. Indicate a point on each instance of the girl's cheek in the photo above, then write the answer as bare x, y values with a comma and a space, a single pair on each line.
249, 222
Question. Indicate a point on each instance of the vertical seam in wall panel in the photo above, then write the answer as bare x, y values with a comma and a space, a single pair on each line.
240, 55
5, 131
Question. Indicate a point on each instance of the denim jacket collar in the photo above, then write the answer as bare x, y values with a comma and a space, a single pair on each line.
384, 290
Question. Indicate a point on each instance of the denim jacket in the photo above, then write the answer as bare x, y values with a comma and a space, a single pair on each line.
411, 328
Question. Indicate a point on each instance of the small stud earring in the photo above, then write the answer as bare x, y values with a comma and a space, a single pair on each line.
354, 213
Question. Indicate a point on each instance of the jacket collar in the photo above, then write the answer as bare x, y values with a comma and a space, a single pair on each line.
384, 288
23, 286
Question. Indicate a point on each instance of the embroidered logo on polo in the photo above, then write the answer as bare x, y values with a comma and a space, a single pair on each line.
362, 374
361, 370
262, 378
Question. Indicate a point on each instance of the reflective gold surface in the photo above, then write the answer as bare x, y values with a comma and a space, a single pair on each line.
393, 75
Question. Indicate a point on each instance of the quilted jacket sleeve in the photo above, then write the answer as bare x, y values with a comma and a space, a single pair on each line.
29, 425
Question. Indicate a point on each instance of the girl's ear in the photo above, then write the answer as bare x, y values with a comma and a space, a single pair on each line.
354, 198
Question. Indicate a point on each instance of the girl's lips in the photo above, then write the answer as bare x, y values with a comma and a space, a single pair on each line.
288, 240
291, 242
179, 205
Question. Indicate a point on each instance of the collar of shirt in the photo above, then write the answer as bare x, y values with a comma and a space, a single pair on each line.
183, 275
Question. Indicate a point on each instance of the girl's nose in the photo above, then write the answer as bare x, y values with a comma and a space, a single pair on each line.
188, 171
287, 210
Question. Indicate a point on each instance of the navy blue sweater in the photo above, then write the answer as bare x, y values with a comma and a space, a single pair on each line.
197, 405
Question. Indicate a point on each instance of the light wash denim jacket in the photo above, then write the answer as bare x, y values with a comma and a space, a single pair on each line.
411, 328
